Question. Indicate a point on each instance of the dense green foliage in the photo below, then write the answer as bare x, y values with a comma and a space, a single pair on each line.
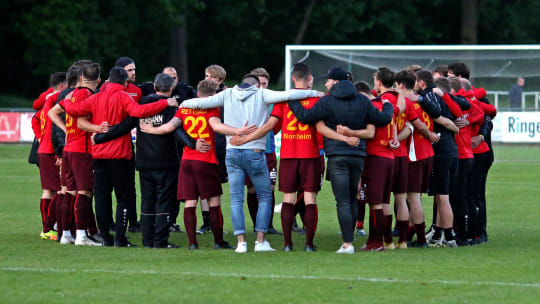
36, 271
40, 37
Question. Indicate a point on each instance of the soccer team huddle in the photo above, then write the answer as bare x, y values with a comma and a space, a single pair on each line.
414, 131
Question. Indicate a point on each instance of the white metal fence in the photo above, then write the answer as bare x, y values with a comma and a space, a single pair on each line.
526, 103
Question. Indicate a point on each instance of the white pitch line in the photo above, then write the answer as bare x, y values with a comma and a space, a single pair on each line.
277, 276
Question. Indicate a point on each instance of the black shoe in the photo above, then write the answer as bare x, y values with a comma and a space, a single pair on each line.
125, 243
107, 243
483, 238
223, 245
204, 229
168, 246
194, 247
135, 228
175, 228
271, 230
288, 248
463, 242
419, 245
148, 247
310, 249
300, 230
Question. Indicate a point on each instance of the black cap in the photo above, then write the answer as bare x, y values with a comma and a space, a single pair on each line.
123, 61
336, 73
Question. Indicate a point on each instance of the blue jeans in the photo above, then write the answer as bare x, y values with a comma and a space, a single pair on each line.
239, 163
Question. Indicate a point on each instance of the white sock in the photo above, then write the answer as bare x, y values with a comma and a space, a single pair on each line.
81, 233
66, 233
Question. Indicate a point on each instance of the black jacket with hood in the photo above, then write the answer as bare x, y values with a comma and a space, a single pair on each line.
343, 106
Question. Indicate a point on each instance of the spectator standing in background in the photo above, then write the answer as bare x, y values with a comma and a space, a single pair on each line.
515, 94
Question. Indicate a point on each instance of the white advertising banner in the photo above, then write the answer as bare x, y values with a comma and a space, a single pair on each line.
27, 135
516, 127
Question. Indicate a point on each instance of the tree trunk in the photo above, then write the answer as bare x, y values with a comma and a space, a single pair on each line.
179, 51
469, 20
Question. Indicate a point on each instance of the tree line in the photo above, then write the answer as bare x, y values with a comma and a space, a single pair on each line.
40, 37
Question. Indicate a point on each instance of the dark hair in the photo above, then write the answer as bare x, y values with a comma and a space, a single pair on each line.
443, 83
459, 69
455, 83
81, 63
425, 76
260, 72
57, 78
250, 79
207, 88
118, 75
163, 82
72, 75
301, 71
407, 78
91, 71
362, 87
123, 61
441, 69
386, 76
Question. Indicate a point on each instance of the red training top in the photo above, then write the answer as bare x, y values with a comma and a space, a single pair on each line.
409, 115
195, 122
40, 101
112, 105
77, 140
45, 145
422, 146
380, 144
297, 139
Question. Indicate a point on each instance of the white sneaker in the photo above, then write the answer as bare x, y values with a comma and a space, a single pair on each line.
241, 247
264, 246
66, 240
85, 241
349, 250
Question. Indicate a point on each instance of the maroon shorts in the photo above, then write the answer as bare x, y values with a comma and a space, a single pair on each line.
198, 179
49, 173
401, 165
419, 175
77, 171
300, 173
377, 179
271, 163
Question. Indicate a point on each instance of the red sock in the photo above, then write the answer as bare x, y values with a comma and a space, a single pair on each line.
64, 207
190, 223
403, 227
361, 213
51, 212
216, 224
287, 219
420, 232
310, 223
379, 223
272, 213
92, 227
359, 225
83, 207
253, 206
388, 229
410, 234
44, 207
371, 228
72, 216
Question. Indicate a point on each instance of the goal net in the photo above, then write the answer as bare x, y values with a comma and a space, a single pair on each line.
493, 67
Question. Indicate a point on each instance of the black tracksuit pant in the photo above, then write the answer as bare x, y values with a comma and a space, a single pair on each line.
110, 174
158, 194
345, 173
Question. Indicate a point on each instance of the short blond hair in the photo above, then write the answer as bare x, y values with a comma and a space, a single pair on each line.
260, 72
216, 70
207, 88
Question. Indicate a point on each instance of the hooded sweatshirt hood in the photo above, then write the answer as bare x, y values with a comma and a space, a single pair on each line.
343, 90
244, 91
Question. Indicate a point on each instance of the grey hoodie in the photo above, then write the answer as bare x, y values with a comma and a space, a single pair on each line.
246, 104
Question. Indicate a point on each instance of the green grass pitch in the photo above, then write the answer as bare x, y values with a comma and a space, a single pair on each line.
505, 270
